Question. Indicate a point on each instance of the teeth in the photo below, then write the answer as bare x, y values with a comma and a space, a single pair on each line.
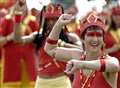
94, 44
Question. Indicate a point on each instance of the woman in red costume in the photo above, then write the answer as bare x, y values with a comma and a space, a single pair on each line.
115, 32
19, 63
97, 69
50, 71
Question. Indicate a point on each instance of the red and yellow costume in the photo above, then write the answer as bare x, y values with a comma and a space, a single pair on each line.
51, 71
116, 35
17, 56
96, 78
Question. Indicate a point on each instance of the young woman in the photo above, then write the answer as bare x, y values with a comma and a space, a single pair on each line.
97, 70
50, 70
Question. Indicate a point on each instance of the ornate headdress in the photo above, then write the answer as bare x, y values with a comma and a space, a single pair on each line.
91, 20
52, 11
116, 10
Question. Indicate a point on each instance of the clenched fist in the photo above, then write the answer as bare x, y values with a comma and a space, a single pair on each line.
65, 19
73, 65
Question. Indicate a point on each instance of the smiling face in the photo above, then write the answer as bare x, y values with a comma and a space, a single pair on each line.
93, 39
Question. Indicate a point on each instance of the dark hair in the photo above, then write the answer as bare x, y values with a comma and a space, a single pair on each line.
42, 37
113, 25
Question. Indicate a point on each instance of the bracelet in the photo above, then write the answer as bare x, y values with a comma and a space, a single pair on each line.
103, 65
51, 41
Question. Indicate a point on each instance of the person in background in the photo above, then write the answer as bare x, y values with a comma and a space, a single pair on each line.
3, 12
19, 63
50, 70
115, 32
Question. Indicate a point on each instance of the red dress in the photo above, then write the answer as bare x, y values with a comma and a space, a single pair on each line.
49, 66
15, 53
96, 80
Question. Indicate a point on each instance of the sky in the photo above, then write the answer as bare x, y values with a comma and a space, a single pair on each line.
82, 5
38, 4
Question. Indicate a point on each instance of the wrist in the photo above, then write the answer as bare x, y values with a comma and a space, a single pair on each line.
52, 41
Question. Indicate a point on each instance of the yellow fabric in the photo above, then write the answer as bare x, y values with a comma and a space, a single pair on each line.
0, 73
58, 82
11, 85
1, 67
116, 36
25, 83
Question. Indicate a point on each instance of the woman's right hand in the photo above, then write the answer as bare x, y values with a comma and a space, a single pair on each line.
73, 65
65, 19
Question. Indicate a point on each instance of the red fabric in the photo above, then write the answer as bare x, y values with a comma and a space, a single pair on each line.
18, 18
98, 82
103, 65
51, 41
53, 69
109, 42
14, 53
34, 25
91, 20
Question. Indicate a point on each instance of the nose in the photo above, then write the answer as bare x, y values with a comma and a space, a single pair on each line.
95, 38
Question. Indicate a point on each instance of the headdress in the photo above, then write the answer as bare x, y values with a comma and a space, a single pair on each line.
52, 11
116, 10
91, 20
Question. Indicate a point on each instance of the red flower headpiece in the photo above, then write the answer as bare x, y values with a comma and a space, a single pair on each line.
53, 11
91, 20
116, 10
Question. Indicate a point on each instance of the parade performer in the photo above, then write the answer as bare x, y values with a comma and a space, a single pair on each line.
115, 32
96, 68
50, 71
19, 63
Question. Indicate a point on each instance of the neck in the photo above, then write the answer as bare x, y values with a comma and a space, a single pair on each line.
93, 55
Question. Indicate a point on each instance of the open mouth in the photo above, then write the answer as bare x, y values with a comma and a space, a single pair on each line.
94, 44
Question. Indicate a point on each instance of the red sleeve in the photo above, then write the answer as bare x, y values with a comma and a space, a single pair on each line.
7, 26
34, 25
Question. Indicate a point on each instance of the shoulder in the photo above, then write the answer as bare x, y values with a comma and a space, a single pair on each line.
29, 18
113, 60
111, 57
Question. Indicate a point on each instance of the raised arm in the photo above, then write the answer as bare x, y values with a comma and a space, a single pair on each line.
51, 46
4, 35
18, 35
18, 27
